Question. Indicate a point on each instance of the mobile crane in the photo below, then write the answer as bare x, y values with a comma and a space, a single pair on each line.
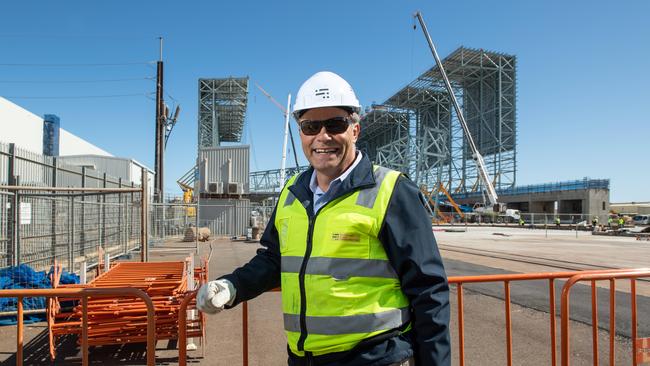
490, 192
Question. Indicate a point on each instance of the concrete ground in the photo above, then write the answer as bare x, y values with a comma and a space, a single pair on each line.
483, 306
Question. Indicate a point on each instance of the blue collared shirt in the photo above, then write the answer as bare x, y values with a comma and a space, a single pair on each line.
320, 197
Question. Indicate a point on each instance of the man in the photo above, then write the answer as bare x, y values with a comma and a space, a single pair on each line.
557, 221
352, 248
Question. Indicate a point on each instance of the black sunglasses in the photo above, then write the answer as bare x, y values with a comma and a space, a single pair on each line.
333, 126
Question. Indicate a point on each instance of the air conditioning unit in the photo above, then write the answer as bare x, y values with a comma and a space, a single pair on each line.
235, 188
215, 187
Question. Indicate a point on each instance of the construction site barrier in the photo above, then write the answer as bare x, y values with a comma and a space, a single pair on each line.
638, 355
506, 279
459, 281
182, 328
83, 294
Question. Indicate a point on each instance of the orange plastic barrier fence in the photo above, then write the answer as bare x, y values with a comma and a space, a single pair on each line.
83, 294
640, 346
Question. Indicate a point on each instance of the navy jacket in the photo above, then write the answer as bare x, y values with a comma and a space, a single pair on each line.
412, 251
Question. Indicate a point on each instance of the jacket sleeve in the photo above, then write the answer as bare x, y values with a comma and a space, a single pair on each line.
262, 273
412, 250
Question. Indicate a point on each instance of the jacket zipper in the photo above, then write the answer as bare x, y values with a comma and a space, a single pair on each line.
301, 281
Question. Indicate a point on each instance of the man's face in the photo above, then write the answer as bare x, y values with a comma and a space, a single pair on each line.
329, 154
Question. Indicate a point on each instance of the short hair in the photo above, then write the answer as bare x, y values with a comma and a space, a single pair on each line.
355, 117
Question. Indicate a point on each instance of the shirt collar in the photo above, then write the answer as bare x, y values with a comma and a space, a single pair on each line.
313, 185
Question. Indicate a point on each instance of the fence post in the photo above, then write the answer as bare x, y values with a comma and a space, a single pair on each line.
11, 169
130, 216
144, 199
71, 236
102, 220
120, 212
15, 247
82, 235
53, 215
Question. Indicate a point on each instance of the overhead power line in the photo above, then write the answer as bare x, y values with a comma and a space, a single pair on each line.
77, 65
80, 96
72, 81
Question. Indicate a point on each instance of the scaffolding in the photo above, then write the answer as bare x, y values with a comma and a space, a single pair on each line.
222, 110
416, 131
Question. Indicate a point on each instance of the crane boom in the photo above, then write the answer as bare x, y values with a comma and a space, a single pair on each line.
478, 158
286, 115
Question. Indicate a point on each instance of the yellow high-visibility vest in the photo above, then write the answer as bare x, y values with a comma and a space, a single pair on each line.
338, 287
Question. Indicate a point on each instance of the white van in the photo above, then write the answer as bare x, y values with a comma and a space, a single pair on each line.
641, 219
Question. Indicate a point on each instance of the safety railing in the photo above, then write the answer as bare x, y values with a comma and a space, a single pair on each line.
638, 355
83, 294
506, 279
182, 328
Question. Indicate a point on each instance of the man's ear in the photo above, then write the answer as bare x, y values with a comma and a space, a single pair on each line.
356, 131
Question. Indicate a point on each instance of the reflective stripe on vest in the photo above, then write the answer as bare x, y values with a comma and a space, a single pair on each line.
362, 323
368, 196
351, 290
340, 268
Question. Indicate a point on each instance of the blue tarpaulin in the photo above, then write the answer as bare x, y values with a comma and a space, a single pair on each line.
23, 276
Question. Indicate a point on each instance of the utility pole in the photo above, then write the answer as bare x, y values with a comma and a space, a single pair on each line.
160, 130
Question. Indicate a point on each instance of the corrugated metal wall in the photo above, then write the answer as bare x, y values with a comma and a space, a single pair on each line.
225, 217
217, 160
116, 167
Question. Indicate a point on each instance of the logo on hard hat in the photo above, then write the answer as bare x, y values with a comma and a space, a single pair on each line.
325, 93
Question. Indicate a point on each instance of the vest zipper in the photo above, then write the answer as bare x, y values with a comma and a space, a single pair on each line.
301, 281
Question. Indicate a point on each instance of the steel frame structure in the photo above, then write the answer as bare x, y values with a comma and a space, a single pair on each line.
435, 149
416, 131
268, 181
222, 110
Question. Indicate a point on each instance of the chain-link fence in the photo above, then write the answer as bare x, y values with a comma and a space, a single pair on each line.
56, 222
171, 221
40, 226
215, 219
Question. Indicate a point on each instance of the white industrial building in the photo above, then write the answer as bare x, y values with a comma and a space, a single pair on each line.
26, 130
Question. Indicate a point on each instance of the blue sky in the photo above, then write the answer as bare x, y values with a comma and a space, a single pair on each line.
582, 75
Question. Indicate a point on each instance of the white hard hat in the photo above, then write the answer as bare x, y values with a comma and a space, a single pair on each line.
325, 89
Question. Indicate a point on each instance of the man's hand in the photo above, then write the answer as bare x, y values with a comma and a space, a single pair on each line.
214, 295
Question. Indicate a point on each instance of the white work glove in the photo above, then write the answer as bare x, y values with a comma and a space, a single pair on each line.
214, 295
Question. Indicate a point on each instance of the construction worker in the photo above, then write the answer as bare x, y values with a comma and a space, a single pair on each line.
609, 222
521, 221
557, 221
621, 222
352, 248
594, 222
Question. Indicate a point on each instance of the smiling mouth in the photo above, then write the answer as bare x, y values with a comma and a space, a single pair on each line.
325, 151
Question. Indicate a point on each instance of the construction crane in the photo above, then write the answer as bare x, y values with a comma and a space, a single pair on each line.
476, 156
286, 114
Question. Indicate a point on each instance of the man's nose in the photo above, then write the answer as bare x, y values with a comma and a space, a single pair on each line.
323, 134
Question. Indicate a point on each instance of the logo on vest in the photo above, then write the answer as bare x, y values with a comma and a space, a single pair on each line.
346, 237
